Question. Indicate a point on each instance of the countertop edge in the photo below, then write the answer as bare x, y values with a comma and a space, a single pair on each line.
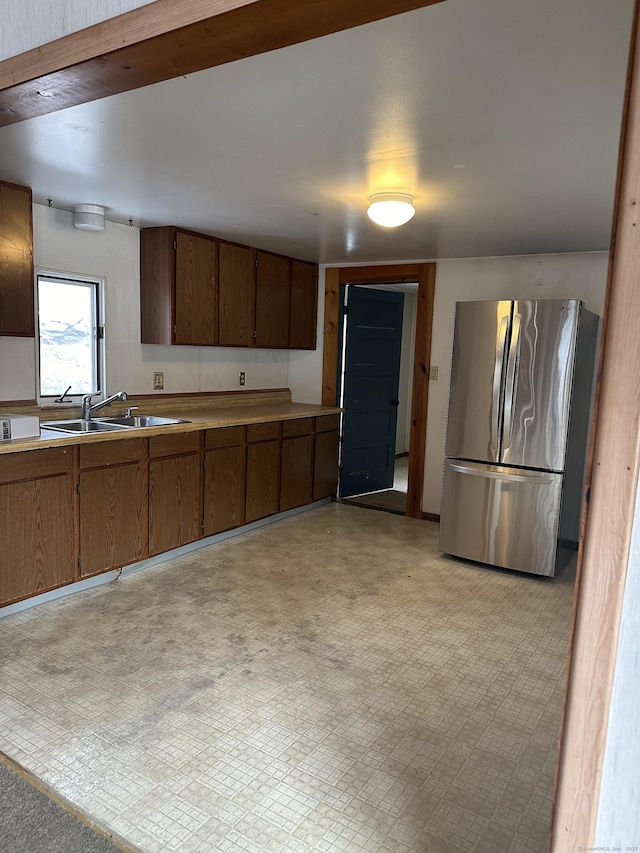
197, 419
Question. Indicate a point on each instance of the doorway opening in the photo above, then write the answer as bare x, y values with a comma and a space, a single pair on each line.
375, 383
425, 275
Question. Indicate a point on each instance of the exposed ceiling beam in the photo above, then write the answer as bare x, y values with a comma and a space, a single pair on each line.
163, 40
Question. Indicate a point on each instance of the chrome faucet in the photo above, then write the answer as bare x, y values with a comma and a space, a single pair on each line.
88, 409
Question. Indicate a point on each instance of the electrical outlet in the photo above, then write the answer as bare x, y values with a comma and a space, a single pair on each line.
241, 377
158, 381
433, 372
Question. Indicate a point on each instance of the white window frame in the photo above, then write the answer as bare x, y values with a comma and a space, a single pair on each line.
99, 283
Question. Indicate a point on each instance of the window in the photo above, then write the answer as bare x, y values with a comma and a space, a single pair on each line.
70, 335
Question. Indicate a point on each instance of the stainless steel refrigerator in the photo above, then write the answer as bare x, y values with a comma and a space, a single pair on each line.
517, 431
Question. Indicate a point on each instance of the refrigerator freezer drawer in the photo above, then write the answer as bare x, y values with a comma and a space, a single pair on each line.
502, 516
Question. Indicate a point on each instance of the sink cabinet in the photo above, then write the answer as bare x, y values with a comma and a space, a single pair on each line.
175, 492
17, 315
225, 467
37, 522
113, 489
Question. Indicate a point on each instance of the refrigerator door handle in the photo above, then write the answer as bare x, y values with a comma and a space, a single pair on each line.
534, 479
511, 381
496, 410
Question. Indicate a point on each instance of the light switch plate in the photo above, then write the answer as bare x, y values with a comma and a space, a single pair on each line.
433, 372
158, 381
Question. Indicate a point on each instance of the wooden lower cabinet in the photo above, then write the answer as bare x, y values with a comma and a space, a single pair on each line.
296, 475
225, 468
263, 470
325, 469
175, 491
113, 504
67, 513
36, 522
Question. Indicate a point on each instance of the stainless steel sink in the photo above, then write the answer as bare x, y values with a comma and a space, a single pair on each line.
141, 421
109, 424
82, 426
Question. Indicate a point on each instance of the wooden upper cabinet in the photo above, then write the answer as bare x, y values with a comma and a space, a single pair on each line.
304, 305
178, 287
237, 290
273, 300
200, 291
196, 290
17, 313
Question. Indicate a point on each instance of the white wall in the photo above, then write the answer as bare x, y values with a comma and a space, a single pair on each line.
29, 23
114, 254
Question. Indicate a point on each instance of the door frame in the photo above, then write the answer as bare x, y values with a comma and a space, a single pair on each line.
425, 275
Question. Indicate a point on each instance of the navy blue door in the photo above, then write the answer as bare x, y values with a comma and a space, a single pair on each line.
370, 399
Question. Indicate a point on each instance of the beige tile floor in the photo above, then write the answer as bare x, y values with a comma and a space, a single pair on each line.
326, 683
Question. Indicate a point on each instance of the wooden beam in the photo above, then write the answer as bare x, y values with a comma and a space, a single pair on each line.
165, 39
604, 556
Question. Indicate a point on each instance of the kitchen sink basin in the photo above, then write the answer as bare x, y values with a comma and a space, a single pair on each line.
110, 424
81, 426
141, 421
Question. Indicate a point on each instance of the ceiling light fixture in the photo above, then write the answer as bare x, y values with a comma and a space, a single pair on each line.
89, 217
390, 209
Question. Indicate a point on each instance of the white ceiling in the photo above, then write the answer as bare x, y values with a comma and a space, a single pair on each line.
501, 117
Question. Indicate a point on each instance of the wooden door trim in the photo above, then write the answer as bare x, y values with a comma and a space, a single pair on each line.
612, 485
164, 40
425, 275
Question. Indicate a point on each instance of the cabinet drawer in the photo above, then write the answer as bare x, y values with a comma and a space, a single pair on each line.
112, 452
326, 423
263, 432
299, 426
225, 437
174, 445
32, 464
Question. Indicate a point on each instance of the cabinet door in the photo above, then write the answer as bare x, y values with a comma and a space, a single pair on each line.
113, 504
304, 305
17, 315
224, 488
263, 479
273, 300
174, 502
325, 473
237, 295
196, 296
157, 270
296, 485
38, 550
